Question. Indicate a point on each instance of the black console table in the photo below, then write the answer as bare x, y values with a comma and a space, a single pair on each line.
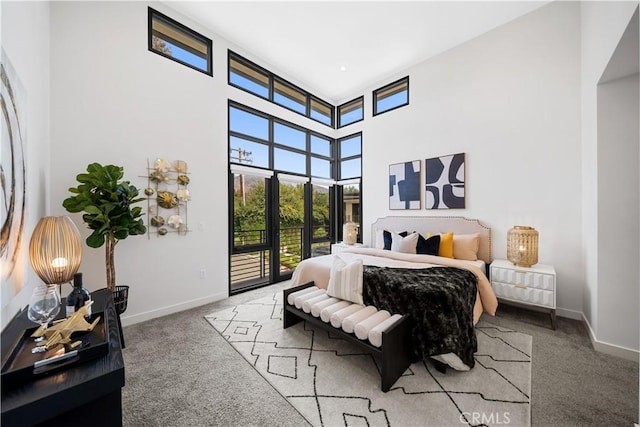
88, 393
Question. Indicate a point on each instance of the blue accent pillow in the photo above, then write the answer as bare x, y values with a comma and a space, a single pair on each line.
429, 246
386, 235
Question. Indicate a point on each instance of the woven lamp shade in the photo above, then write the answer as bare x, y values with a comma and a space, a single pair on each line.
55, 249
522, 245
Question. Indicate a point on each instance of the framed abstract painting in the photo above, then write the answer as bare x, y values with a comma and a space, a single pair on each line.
445, 178
404, 185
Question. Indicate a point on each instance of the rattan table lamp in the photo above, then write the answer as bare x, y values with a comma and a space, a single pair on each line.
522, 245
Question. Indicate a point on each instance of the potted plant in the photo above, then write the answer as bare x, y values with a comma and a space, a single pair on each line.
107, 205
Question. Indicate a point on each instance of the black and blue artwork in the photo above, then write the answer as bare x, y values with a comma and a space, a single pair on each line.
445, 182
404, 185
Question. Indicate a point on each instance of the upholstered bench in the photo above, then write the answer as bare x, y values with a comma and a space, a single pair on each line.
385, 336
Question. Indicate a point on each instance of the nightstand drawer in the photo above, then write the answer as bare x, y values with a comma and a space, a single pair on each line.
525, 294
525, 278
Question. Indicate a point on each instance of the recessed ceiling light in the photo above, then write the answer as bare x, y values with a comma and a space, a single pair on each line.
343, 68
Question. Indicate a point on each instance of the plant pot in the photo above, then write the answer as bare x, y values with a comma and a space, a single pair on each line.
120, 298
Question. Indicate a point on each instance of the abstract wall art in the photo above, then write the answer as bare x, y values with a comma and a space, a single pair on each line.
12, 176
404, 185
445, 182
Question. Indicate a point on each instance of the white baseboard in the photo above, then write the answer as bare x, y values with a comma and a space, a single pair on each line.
164, 311
612, 349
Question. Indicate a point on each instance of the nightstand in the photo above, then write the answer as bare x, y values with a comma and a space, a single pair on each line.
336, 248
532, 286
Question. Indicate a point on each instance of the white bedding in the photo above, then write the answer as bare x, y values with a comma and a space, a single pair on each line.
318, 270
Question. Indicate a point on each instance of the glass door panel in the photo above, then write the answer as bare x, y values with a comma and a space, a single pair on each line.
320, 220
251, 251
290, 236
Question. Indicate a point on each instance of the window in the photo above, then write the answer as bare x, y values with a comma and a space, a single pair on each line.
173, 40
391, 96
261, 140
289, 97
350, 157
254, 79
351, 112
321, 111
247, 76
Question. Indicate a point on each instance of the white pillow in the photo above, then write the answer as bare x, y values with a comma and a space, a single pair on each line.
406, 245
379, 238
345, 280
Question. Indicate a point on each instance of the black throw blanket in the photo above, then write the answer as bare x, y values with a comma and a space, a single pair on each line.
440, 301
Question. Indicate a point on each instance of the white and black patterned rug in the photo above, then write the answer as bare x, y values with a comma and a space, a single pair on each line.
333, 383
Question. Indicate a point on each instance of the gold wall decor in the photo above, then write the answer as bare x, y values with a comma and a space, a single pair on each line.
167, 197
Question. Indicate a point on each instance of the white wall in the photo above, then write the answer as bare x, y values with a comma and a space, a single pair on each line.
113, 101
25, 39
618, 220
602, 25
509, 99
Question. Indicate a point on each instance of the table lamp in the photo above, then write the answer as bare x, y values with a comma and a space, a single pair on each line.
55, 250
522, 245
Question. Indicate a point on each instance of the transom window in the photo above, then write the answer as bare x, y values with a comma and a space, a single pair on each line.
171, 39
391, 96
351, 112
254, 79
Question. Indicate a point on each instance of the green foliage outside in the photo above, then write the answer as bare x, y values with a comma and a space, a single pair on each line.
250, 221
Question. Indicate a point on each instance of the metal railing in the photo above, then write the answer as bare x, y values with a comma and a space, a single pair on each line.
253, 267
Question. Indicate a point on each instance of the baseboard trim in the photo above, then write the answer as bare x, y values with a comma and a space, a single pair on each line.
612, 349
164, 311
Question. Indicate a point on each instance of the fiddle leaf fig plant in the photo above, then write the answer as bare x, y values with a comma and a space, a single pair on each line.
107, 202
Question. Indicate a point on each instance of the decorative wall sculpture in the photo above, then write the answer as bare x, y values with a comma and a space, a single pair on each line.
445, 182
13, 179
167, 197
404, 185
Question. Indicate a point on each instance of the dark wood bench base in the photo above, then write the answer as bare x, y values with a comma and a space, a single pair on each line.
394, 353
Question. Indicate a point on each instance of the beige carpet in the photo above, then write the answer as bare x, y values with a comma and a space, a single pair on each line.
331, 382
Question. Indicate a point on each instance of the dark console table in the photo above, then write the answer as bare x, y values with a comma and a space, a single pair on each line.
88, 393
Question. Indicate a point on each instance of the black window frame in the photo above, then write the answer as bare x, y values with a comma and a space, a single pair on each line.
272, 144
339, 158
151, 13
360, 100
387, 87
272, 79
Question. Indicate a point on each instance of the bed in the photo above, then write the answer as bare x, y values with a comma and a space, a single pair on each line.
444, 296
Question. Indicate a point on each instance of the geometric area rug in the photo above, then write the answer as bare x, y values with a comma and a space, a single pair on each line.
331, 382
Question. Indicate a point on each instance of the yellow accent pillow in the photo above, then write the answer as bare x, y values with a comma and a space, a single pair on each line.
446, 244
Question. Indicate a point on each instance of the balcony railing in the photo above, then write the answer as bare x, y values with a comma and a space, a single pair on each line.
253, 267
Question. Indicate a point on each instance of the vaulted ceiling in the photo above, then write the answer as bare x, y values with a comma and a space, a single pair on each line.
336, 49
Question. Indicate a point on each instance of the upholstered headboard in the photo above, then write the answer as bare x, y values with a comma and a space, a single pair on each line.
435, 225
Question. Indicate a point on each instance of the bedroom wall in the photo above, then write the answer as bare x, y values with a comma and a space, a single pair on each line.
509, 99
618, 220
25, 40
113, 101
602, 26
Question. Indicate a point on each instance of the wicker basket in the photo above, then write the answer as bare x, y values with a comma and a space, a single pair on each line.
120, 298
522, 245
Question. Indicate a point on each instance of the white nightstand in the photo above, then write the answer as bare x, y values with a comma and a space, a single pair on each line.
336, 248
533, 286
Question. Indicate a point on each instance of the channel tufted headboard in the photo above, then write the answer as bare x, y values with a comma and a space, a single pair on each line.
435, 225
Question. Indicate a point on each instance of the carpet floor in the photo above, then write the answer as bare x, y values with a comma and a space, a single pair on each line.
332, 382
179, 373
